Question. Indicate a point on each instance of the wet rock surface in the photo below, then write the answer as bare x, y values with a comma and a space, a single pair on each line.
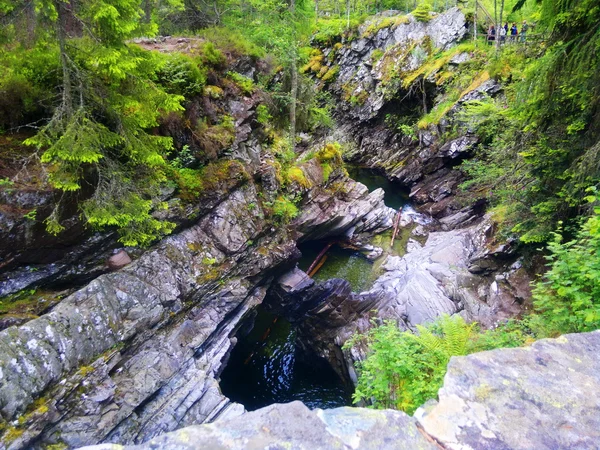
446, 272
294, 426
500, 399
138, 351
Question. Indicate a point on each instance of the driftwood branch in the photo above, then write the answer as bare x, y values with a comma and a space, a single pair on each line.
315, 266
396, 224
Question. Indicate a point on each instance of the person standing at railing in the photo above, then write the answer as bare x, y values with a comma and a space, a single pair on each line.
491, 36
502, 35
513, 32
524, 28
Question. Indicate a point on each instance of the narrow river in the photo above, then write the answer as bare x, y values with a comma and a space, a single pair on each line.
265, 366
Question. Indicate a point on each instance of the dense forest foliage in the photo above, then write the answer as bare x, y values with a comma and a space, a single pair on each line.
91, 107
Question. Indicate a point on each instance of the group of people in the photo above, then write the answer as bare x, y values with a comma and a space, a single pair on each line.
503, 32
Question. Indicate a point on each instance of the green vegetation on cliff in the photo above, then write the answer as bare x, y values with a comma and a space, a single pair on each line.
537, 166
120, 128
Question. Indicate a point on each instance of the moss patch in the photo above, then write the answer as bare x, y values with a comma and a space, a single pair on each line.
29, 303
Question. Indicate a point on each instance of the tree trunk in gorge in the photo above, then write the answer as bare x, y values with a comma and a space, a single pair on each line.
148, 11
67, 90
294, 74
499, 43
347, 14
30, 18
496, 22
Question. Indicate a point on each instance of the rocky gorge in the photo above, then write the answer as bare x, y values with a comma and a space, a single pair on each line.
131, 353
475, 410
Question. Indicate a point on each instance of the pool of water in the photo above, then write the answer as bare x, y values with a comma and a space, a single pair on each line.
395, 195
350, 265
265, 367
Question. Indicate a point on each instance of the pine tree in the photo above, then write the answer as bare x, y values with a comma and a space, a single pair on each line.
100, 131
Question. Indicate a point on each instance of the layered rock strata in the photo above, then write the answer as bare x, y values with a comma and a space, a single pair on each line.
500, 399
137, 352
451, 272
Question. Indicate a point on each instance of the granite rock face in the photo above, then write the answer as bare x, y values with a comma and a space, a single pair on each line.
355, 62
539, 397
294, 426
138, 352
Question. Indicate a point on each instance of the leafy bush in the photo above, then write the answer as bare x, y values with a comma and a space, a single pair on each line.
403, 370
284, 210
131, 214
245, 84
331, 152
296, 174
568, 299
330, 74
262, 115
421, 13
376, 55
214, 138
384, 22
332, 30
190, 184
27, 84
181, 75
214, 92
228, 40
212, 56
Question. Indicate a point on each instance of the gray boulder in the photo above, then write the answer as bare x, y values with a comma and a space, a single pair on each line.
542, 397
293, 426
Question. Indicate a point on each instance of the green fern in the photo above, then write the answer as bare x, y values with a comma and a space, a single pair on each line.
403, 370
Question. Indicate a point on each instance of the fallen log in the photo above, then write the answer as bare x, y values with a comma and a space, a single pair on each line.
319, 257
318, 266
396, 224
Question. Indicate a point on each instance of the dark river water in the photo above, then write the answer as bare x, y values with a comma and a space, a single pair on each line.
395, 196
265, 368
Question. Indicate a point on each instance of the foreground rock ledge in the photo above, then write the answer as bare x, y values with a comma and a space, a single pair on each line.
543, 397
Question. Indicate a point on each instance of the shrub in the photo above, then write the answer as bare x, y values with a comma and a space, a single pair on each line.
189, 182
212, 56
181, 75
376, 55
331, 152
245, 84
315, 63
27, 84
568, 299
330, 74
327, 171
262, 115
231, 42
421, 13
284, 210
214, 92
331, 31
295, 174
214, 138
403, 370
